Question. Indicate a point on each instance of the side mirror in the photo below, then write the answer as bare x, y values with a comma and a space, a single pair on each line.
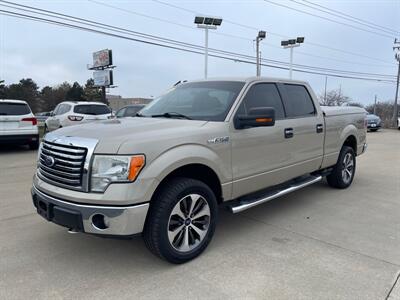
51, 114
257, 117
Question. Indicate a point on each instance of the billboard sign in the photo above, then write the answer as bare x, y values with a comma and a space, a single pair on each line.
103, 78
102, 58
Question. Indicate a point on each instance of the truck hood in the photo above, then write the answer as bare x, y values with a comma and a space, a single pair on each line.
111, 134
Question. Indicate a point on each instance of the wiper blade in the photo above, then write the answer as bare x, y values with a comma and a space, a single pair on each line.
171, 115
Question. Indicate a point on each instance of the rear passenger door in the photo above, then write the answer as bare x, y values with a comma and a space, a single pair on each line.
304, 131
259, 154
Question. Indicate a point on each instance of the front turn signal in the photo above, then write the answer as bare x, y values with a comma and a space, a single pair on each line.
136, 165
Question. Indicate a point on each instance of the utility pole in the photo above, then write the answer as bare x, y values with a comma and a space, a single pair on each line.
261, 35
291, 44
375, 106
326, 83
207, 23
396, 48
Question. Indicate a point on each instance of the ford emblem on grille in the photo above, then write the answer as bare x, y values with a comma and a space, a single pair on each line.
49, 161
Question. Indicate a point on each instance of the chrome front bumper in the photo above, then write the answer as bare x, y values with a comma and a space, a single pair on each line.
114, 220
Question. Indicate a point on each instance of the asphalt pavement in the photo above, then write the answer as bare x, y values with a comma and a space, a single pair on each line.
316, 243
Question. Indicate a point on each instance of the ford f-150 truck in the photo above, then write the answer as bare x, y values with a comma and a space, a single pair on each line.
230, 142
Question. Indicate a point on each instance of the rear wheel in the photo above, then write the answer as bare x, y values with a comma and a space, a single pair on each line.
181, 220
343, 172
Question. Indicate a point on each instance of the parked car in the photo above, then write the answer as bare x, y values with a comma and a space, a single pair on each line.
233, 142
18, 125
129, 111
73, 113
42, 116
374, 123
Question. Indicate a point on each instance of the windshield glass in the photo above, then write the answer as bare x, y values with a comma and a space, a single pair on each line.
209, 100
92, 109
14, 109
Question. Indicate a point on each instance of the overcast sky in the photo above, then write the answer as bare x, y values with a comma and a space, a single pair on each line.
51, 55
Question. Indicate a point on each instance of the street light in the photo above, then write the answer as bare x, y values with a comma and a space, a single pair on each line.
291, 44
207, 23
261, 35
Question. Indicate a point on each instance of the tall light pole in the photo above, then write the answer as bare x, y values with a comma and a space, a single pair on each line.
396, 48
207, 23
261, 35
291, 44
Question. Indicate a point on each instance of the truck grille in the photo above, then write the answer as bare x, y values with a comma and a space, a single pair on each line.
62, 164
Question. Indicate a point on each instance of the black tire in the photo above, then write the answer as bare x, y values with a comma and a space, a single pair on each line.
34, 145
337, 178
158, 222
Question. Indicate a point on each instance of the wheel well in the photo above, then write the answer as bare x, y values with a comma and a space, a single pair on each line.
198, 172
351, 141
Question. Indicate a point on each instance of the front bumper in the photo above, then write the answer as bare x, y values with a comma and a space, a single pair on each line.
94, 219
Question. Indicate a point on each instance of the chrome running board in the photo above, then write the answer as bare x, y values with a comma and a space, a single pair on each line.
242, 205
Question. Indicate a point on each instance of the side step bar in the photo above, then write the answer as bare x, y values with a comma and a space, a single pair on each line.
242, 205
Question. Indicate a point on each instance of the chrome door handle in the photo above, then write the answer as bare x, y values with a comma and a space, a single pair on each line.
320, 128
288, 133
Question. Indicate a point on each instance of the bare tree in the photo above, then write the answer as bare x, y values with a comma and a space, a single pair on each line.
334, 98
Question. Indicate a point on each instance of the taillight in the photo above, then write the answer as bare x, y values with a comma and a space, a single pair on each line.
33, 120
75, 118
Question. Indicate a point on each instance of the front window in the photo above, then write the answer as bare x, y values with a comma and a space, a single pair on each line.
208, 100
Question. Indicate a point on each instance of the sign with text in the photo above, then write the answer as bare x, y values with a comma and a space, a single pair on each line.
102, 58
103, 78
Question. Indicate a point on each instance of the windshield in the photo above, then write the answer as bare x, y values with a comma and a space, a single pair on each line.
92, 109
14, 109
208, 100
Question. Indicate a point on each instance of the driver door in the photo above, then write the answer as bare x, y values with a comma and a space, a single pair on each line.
259, 154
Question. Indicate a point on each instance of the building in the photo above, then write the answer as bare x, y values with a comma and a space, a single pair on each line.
116, 102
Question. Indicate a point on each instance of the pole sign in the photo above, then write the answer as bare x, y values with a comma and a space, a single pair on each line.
103, 78
102, 58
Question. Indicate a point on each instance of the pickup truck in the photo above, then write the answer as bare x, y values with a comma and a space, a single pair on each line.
163, 173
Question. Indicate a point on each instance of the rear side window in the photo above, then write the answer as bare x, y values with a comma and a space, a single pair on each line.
14, 109
262, 95
92, 109
298, 102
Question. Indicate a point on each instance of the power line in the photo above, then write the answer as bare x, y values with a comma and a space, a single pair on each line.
24, 16
179, 43
278, 34
331, 20
342, 14
220, 33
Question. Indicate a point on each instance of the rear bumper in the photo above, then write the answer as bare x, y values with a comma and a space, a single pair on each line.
94, 219
370, 126
18, 138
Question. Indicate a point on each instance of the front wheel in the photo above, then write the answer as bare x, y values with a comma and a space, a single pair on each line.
181, 220
343, 172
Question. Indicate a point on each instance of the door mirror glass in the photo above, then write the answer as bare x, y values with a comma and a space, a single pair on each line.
256, 117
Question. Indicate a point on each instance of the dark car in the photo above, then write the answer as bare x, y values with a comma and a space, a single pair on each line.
129, 111
373, 122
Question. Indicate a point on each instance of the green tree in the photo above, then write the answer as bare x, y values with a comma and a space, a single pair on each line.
91, 92
75, 93
26, 90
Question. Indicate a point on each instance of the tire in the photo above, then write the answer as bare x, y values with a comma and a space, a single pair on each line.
343, 172
170, 232
34, 145
46, 130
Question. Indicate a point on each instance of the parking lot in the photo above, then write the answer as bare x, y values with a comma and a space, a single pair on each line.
316, 243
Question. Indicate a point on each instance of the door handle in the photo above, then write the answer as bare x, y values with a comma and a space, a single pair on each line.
320, 128
288, 133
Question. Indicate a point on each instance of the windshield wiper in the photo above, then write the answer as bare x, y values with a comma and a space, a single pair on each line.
138, 114
171, 115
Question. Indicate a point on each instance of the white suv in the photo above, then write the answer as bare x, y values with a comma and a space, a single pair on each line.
18, 125
74, 113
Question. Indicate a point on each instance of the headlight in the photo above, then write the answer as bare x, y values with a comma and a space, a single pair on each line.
107, 169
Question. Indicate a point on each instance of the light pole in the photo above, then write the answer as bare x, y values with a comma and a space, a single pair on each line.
261, 35
207, 23
291, 44
396, 48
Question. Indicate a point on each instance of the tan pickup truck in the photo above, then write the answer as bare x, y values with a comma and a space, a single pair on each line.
224, 142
